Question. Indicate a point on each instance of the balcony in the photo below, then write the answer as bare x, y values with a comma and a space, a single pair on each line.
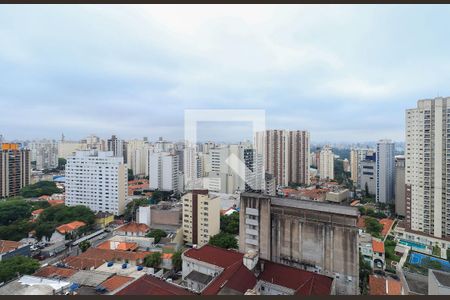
251, 211
251, 231
251, 222
251, 241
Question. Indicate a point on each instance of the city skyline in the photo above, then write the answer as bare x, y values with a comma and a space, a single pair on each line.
125, 70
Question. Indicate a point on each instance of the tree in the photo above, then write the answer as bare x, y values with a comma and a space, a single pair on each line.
14, 210
16, 231
130, 175
17, 265
84, 245
364, 271
131, 208
177, 261
61, 164
373, 226
157, 234
38, 189
224, 240
230, 224
153, 260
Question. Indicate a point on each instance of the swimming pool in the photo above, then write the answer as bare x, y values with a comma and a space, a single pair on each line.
413, 244
416, 259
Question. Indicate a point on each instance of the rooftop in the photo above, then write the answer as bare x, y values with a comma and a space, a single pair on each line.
55, 272
32, 285
6, 246
149, 285
134, 227
115, 282
443, 278
387, 225
69, 227
417, 283
214, 255
377, 246
199, 277
89, 278
379, 285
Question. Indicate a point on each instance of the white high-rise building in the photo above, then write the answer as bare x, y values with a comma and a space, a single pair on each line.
427, 175
285, 155
98, 180
44, 153
356, 157
164, 173
326, 164
385, 171
190, 167
137, 157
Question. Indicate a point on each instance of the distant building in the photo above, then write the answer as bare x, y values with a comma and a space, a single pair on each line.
326, 166
97, 180
133, 229
385, 171
367, 174
44, 153
400, 204
356, 156
15, 169
164, 174
201, 217
118, 147
137, 157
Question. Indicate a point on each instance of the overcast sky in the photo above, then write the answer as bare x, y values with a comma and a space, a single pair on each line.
345, 73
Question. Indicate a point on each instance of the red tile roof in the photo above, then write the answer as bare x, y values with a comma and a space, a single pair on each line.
55, 202
381, 286
52, 271
148, 285
115, 282
387, 224
214, 255
361, 224
6, 246
37, 211
303, 282
69, 227
94, 257
134, 227
126, 246
377, 246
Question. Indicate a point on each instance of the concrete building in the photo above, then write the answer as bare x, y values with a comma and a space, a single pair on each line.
385, 171
98, 180
316, 236
118, 147
426, 177
44, 153
356, 156
201, 217
68, 148
285, 155
137, 157
367, 174
15, 169
438, 282
9, 249
163, 172
326, 165
400, 204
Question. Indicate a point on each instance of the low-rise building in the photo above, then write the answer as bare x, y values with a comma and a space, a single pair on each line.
133, 229
62, 230
337, 195
149, 285
10, 249
33, 285
379, 285
103, 219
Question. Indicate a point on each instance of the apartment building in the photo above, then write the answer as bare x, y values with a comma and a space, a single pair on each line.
427, 156
201, 217
356, 156
400, 204
15, 169
326, 163
285, 155
164, 174
44, 153
368, 173
137, 156
118, 147
98, 180
385, 171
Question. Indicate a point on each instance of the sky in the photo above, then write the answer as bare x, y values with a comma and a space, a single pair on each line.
345, 73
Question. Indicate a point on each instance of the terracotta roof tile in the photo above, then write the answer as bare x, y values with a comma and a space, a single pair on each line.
37, 211
148, 285
52, 271
69, 227
6, 246
214, 255
387, 224
377, 246
134, 227
381, 286
115, 282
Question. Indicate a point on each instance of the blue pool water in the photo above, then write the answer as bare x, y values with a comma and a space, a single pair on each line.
412, 244
416, 259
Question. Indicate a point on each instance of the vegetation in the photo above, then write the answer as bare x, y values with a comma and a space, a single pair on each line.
14, 210
224, 240
16, 231
61, 164
448, 255
131, 208
157, 234
428, 263
371, 212
84, 245
389, 249
153, 260
230, 224
373, 227
38, 189
177, 261
17, 265
130, 175
364, 271
436, 251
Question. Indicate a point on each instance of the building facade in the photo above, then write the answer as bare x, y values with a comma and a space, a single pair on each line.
356, 156
318, 237
137, 157
118, 147
15, 169
400, 204
44, 153
385, 171
163, 172
98, 180
285, 155
368, 174
426, 174
326, 164
201, 217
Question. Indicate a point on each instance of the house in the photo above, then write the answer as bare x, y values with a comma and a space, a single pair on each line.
379, 285
69, 228
10, 249
133, 229
149, 285
114, 283
35, 213
378, 254
103, 219
211, 270
54, 272
33, 285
